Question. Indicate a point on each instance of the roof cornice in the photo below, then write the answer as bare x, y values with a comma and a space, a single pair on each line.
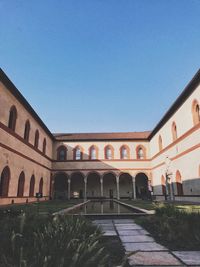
189, 89
14, 91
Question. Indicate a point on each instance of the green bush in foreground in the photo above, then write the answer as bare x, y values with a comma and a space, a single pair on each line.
31, 241
174, 228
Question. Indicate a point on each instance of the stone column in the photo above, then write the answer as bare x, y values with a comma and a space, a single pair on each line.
69, 189
133, 187
85, 189
101, 182
117, 181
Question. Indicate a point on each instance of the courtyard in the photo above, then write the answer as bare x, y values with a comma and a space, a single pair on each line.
138, 239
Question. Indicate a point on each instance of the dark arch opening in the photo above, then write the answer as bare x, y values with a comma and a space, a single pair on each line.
93, 185
21, 181
61, 186
77, 185
12, 118
32, 186
125, 185
109, 186
4, 183
41, 186
142, 188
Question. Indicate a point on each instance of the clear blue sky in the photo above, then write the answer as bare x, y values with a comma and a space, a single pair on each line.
100, 65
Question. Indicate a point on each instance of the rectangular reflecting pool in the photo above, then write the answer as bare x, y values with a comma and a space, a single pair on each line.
104, 207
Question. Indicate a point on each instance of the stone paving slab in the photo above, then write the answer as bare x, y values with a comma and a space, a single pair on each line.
109, 233
136, 238
191, 258
143, 246
106, 226
153, 259
102, 221
120, 221
133, 232
128, 227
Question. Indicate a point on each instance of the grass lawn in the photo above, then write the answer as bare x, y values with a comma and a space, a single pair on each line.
149, 205
143, 204
43, 207
188, 207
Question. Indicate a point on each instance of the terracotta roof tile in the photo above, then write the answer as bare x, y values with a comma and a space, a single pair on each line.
102, 136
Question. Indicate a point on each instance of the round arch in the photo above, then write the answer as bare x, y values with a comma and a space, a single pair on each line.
125, 185
41, 183
179, 185
141, 184
60, 186
4, 182
77, 185
32, 186
20, 188
93, 185
109, 185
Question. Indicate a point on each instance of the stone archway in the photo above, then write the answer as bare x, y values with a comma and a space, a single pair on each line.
93, 185
141, 184
109, 185
125, 186
60, 186
4, 182
77, 185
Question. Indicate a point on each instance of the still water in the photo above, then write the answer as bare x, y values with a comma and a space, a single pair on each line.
104, 207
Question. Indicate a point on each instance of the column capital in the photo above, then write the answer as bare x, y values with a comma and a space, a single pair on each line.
69, 180
101, 180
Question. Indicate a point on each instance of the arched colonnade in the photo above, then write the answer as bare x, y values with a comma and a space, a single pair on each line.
100, 185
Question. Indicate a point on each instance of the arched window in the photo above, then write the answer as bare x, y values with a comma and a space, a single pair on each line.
20, 189
195, 112
163, 185
141, 152
61, 153
12, 118
179, 185
41, 186
93, 152
36, 143
4, 182
124, 152
174, 131
27, 130
78, 153
109, 152
160, 144
44, 146
32, 186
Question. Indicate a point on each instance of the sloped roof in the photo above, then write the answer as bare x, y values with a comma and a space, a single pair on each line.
102, 136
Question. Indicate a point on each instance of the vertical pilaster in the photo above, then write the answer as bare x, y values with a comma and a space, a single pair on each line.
117, 181
133, 187
69, 189
101, 182
85, 189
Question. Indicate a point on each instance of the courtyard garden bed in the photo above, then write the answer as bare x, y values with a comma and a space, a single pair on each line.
50, 206
173, 227
142, 204
32, 239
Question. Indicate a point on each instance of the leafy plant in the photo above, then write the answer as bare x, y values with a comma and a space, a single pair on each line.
52, 241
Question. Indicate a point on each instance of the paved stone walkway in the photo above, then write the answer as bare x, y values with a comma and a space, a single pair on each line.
141, 248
